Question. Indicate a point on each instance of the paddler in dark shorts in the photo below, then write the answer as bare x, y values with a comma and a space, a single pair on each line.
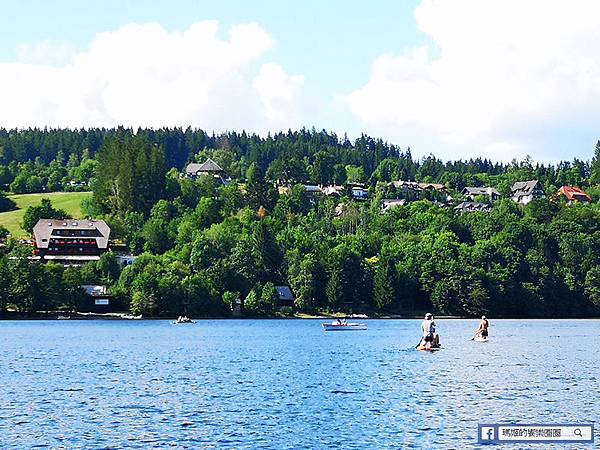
483, 327
429, 335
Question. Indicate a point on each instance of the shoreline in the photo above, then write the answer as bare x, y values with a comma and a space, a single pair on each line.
79, 316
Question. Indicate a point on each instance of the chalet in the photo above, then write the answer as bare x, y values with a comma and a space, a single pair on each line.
524, 192
286, 297
573, 194
466, 207
434, 191
409, 190
472, 192
207, 168
70, 241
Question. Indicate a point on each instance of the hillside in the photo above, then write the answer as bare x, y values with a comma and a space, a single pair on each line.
68, 201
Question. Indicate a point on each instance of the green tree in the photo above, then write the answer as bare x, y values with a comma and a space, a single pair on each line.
592, 286
6, 204
43, 211
595, 167
384, 284
5, 282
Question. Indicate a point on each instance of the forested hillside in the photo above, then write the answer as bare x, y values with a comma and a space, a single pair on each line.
204, 242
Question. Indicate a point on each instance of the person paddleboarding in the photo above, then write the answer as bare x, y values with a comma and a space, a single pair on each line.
430, 338
482, 330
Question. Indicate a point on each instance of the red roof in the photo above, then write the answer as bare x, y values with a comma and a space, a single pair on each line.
574, 193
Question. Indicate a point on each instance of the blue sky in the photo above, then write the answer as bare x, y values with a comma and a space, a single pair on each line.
458, 78
332, 42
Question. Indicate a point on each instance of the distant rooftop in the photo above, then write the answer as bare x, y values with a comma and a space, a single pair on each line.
208, 166
71, 229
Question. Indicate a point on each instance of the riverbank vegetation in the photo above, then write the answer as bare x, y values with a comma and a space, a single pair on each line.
204, 243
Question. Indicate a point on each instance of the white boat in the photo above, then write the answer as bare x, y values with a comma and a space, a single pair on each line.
336, 326
182, 320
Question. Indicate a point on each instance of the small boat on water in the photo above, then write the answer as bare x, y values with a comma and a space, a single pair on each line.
182, 320
132, 317
63, 318
344, 326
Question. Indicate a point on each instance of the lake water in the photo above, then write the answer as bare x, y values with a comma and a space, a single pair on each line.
287, 383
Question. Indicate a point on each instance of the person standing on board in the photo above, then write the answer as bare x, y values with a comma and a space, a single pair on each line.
483, 327
428, 329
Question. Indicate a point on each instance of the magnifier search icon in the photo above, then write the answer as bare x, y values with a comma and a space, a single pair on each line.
577, 432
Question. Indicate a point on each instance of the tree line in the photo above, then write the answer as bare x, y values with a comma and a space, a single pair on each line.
203, 244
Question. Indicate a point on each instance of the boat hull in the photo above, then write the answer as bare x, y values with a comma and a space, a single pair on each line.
347, 327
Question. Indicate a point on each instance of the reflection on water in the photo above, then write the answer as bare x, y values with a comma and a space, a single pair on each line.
286, 383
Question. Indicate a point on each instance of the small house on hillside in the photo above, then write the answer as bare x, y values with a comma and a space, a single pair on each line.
435, 191
524, 192
466, 207
207, 168
333, 190
390, 203
286, 297
472, 192
98, 299
409, 190
360, 193
70, 241
312, 188
573, 194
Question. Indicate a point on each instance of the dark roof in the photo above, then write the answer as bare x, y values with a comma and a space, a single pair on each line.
46, 228
472, 206
524, 187
469, 190
285, 293
208, 166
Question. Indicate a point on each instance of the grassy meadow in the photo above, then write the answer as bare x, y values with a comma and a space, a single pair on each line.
68, 201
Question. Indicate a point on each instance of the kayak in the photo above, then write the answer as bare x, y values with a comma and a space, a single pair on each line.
481, 339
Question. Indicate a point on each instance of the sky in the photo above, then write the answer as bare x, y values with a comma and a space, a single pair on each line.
500, 79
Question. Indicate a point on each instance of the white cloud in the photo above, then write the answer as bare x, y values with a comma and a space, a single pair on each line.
144, 75
505, 75
278, 92
48, 53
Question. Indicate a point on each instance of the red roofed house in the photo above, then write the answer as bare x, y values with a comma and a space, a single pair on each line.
573, 194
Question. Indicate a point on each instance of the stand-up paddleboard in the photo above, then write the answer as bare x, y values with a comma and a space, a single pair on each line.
481, 339
425, 349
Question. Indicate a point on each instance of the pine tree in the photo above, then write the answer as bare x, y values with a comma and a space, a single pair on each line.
595, 168
384, 284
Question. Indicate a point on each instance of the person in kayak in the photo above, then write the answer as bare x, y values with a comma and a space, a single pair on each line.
483, 327
430, 338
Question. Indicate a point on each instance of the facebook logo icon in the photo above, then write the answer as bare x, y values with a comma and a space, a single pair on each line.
487, 433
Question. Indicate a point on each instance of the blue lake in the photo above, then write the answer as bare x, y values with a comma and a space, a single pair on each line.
287, 383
